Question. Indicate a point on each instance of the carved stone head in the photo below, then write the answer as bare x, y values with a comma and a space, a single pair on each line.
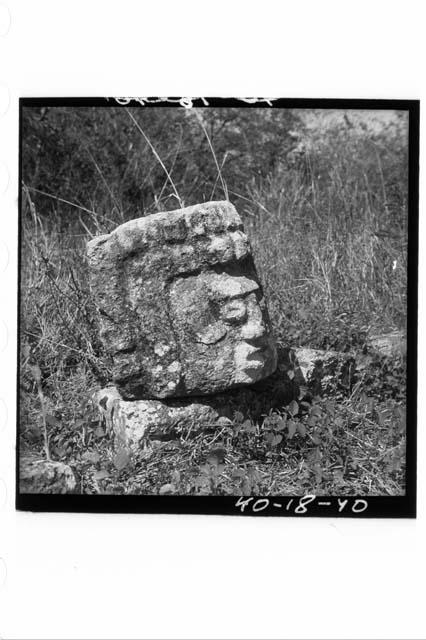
181, 309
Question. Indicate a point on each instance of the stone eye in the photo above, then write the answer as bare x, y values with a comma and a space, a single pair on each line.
235, 312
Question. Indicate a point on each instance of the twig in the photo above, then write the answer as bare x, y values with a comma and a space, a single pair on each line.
113, 198
49, 195
154, 151
200, 120
173, 163
218, 175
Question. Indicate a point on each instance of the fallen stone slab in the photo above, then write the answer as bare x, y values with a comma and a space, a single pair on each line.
181, 309
42, 476
324, 371
389, 344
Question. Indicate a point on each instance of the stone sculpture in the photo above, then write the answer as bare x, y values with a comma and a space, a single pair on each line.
181, 308
183, 315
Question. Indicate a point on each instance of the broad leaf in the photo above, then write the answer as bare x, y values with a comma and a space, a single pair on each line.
167, 489
238, 416
312, 421
293, 408
291, 426
302, 391
248, 426
281, 424
269, 438
301, 429
223, 422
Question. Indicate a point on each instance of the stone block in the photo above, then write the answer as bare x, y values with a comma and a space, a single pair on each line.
323, 372
42, 476
133, 421
181, 309
392, 344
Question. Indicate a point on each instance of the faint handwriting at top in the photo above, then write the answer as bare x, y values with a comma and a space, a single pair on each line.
187, 102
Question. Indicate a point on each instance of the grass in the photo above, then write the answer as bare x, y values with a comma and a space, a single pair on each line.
329, 240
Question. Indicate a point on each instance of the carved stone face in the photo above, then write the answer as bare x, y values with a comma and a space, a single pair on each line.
221, 327
181, 309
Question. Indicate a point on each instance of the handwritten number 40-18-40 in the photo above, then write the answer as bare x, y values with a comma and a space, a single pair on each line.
300, 506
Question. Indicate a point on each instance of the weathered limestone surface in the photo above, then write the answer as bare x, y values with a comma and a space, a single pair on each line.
132, 420
389, 344
181, 308
41, 476
322, 371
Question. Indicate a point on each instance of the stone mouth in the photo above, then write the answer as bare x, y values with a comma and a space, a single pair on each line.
255, 358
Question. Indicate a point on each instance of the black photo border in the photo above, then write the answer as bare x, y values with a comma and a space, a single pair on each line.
307, 506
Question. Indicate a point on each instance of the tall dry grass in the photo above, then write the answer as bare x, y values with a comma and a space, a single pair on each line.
328, 231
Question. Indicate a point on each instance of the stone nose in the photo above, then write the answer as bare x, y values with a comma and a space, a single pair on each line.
254, 327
